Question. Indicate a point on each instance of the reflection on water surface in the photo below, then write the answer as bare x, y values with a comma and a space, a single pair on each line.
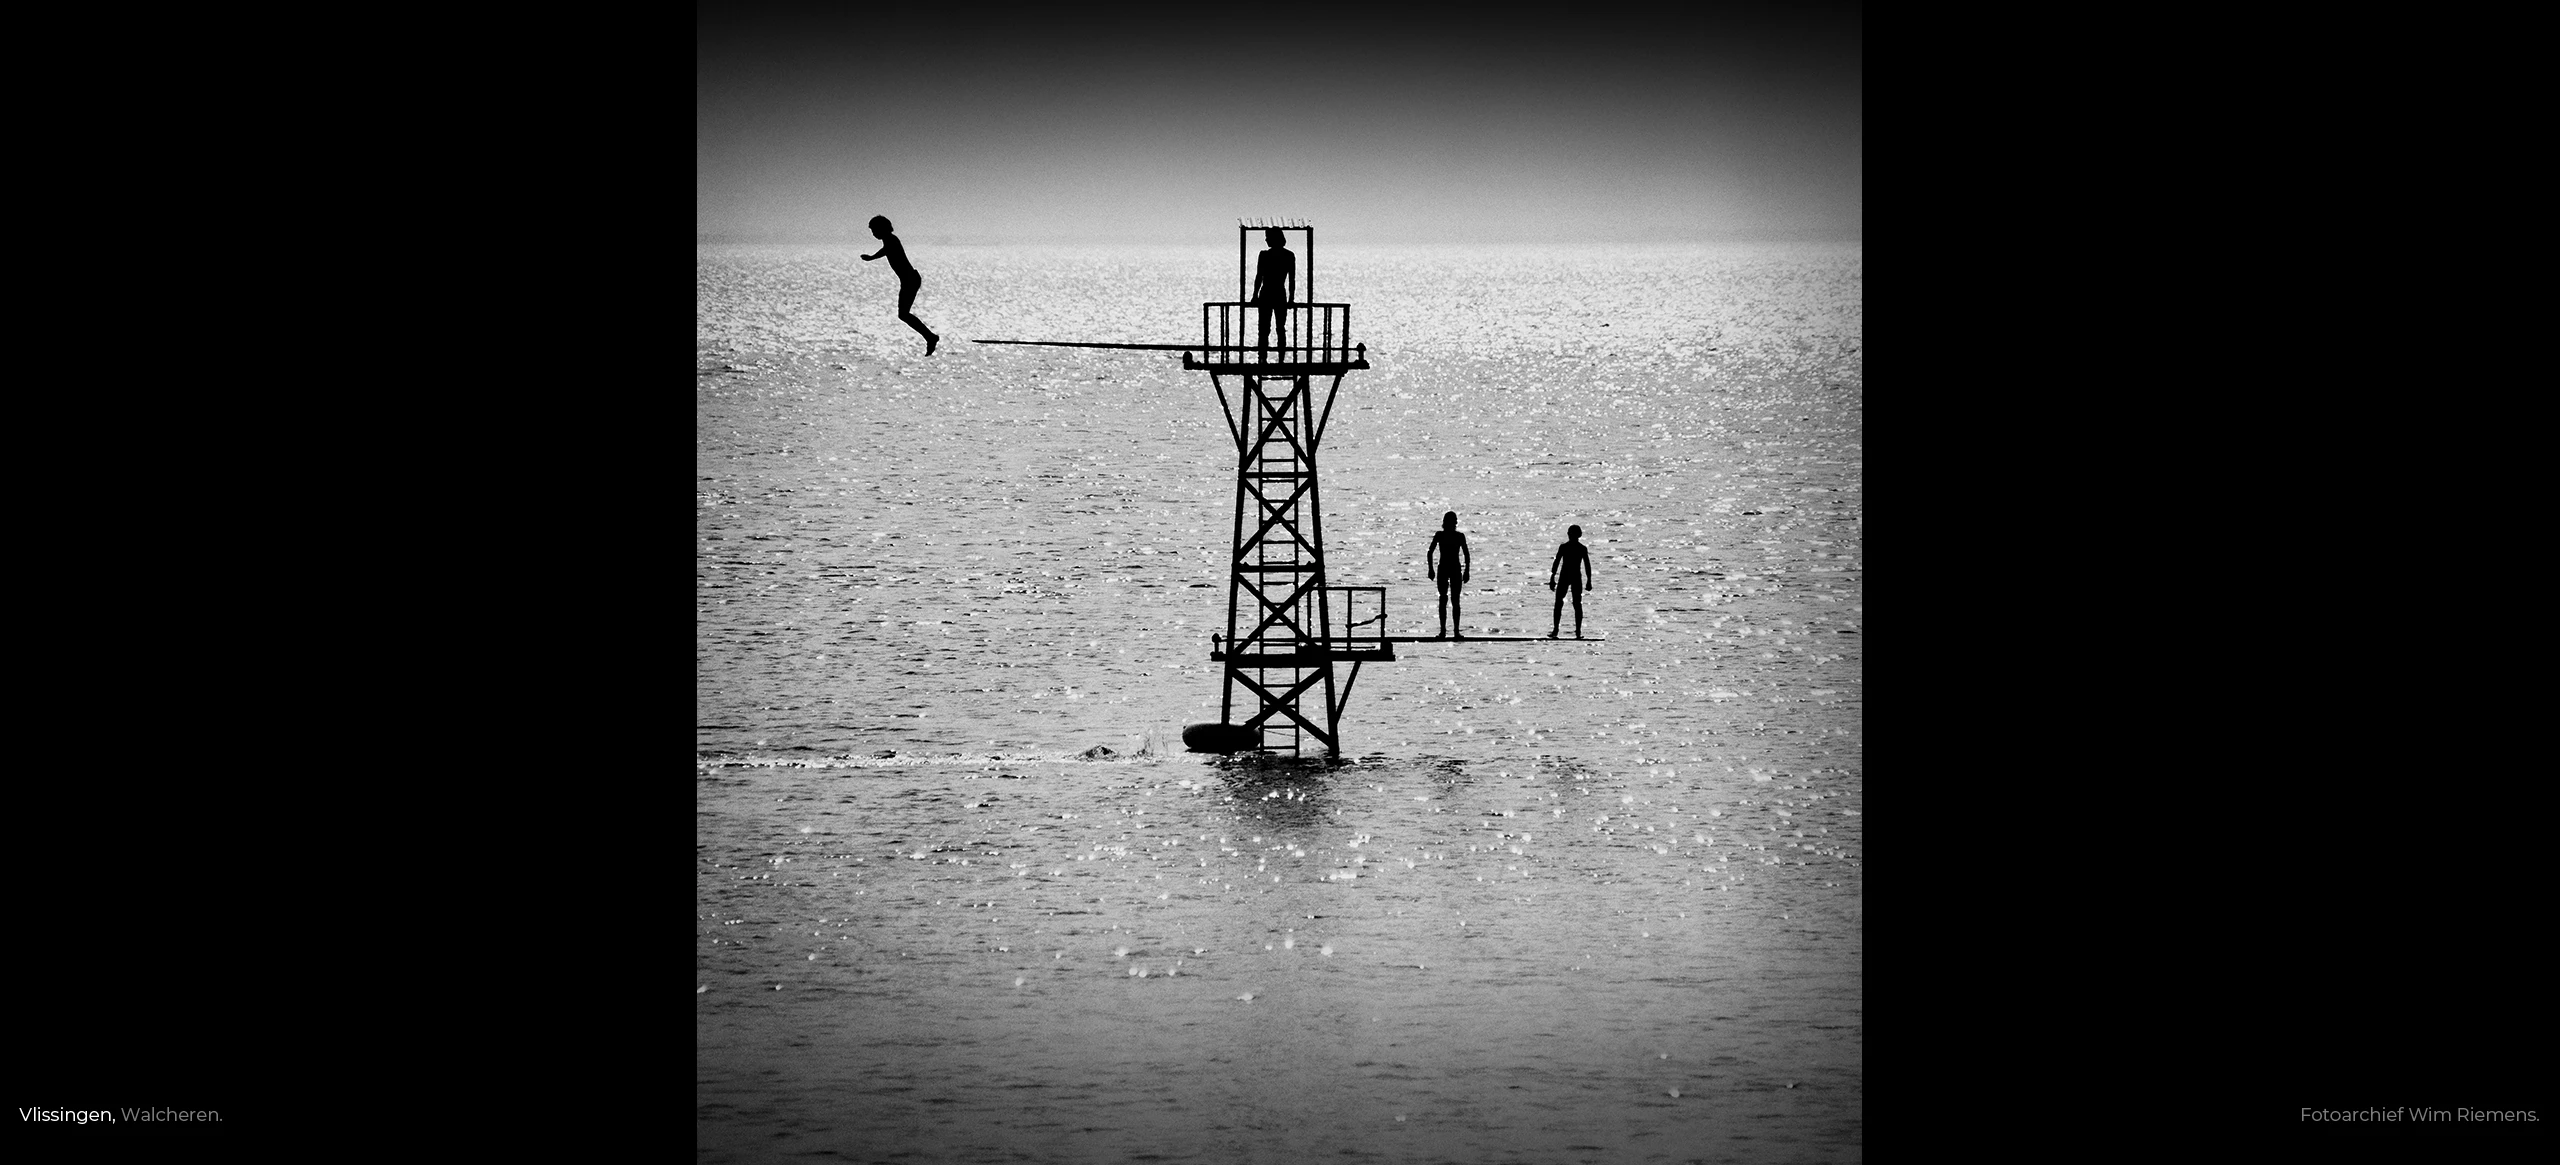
1560, 882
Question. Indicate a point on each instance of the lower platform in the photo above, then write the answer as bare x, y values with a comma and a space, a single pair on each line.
1306, 659
1495, 639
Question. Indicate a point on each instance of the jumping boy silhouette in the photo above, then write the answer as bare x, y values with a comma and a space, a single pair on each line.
1455, 563
1571, 570
908, 280
1275, 282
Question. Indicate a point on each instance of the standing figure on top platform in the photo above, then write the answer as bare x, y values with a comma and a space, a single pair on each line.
1571, 570
908, 280
1275, 283
1454, 564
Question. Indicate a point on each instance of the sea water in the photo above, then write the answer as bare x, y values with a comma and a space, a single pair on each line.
962, 895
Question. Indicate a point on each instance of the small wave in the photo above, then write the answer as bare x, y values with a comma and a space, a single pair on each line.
915, 760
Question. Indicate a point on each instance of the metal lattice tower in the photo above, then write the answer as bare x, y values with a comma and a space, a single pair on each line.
1286, 628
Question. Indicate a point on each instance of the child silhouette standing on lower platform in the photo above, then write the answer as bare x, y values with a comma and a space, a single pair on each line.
1571, 570
1448, 560
908, 280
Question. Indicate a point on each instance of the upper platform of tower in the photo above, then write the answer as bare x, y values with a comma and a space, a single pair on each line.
1275, 326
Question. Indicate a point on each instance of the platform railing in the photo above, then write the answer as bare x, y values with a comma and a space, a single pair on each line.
1357, 618
1301, 333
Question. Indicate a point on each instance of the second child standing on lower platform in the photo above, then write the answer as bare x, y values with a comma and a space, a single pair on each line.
1454, 564
1571, 571
908, 280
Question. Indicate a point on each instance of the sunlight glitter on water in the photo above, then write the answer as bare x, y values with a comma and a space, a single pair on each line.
986, 564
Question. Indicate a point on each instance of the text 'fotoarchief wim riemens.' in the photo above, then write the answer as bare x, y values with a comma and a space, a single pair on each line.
2420, 1114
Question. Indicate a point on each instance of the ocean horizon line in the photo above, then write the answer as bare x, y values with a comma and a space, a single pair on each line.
713, 239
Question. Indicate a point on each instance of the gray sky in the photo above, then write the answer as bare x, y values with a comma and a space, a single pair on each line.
964, 125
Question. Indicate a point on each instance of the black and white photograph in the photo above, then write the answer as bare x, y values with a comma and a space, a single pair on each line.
1279, 587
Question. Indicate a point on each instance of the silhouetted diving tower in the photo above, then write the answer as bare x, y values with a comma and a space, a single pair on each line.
1286, 627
